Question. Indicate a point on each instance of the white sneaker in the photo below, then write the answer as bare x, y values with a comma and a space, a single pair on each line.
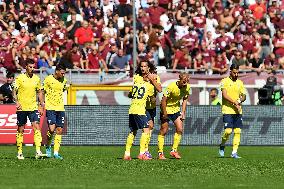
20, 157
39, 155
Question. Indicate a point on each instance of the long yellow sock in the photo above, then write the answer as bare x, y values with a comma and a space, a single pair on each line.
161, 142
37, 139
20, 140
143, 142
57, 142
49, 138
129, 143
226, 136
148, 141
236, 139
177, 138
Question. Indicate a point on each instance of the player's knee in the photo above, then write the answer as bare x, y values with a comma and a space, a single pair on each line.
59, 130
134, 132
228, 131
237, 131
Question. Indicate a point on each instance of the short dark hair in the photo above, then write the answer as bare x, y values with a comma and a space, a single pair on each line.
214, 89
29, 61
60, 67
234, 66
10, 74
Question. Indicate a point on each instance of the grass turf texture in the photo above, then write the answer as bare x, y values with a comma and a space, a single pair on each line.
102, 167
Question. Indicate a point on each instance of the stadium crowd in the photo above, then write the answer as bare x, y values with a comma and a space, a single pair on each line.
205, 35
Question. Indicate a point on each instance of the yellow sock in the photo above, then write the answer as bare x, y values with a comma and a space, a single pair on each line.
143, 142
57, 142
129, 143
49, 138
37, 139
161, 142
20, 140
226, 136
177, 138
148, 141
236, 139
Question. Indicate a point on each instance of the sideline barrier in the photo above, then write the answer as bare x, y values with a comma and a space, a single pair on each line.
108, 125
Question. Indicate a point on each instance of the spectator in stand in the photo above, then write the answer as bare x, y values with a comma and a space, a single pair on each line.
110, 30
120, 61
182, 59
239, 60
23, 38
84, 34
77, 58
72, 26
6, 89
278, 43
271, 64
110, 55
265, 34
199, 64
256, 63
66, 60
219, 64
44, 63
96, 61
155, 12
258, 9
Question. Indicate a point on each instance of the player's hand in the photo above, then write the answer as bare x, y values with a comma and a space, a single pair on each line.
152, 77
18, 106
182, 118
238, 107
165, 117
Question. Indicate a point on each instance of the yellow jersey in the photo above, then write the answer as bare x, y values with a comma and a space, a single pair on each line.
140, 91
174, 96
27, 88
54, 93
234, 90
150, 104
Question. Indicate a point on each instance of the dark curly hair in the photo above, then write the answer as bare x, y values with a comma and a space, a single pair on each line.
152, 67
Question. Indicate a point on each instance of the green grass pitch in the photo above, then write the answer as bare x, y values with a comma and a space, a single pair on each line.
102, 167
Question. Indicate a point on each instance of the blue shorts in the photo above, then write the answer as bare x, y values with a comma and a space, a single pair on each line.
233, 121
23, 115
151, 114
137, 122
171, 117
55, 117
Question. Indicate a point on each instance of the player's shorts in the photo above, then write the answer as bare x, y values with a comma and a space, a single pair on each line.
137, 122
233, 121
151, 114
172, 117
23, 115
55, 117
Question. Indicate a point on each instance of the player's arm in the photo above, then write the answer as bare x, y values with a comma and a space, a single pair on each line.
164, 107
183, 107
15, 97
228, 98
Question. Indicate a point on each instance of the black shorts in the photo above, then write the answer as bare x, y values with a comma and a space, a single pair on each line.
233, 121
171, 117
55, 117
23, 115
151, 114
137, 122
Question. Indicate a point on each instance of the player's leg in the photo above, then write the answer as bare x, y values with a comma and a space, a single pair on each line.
130, 138
150, 117
237, 135
21, 122
143, 143
228, 125
161, 137
60, 118
34, 117
176, 118
51, 120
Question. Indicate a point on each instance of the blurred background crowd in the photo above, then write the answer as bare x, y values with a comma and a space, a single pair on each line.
203, 35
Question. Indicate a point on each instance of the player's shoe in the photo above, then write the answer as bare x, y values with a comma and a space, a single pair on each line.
39, 155
48, 151
222, 151
58, 156
20, 157
148, 154
235, 156
125, 157
175, 154
161, 156
143, 157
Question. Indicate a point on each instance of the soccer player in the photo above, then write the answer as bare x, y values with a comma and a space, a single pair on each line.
54, 86
154, 80
170, 110
233, 94
27, 88
139, 93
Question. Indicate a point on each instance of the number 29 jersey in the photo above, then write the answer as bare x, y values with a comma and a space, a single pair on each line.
140, 91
